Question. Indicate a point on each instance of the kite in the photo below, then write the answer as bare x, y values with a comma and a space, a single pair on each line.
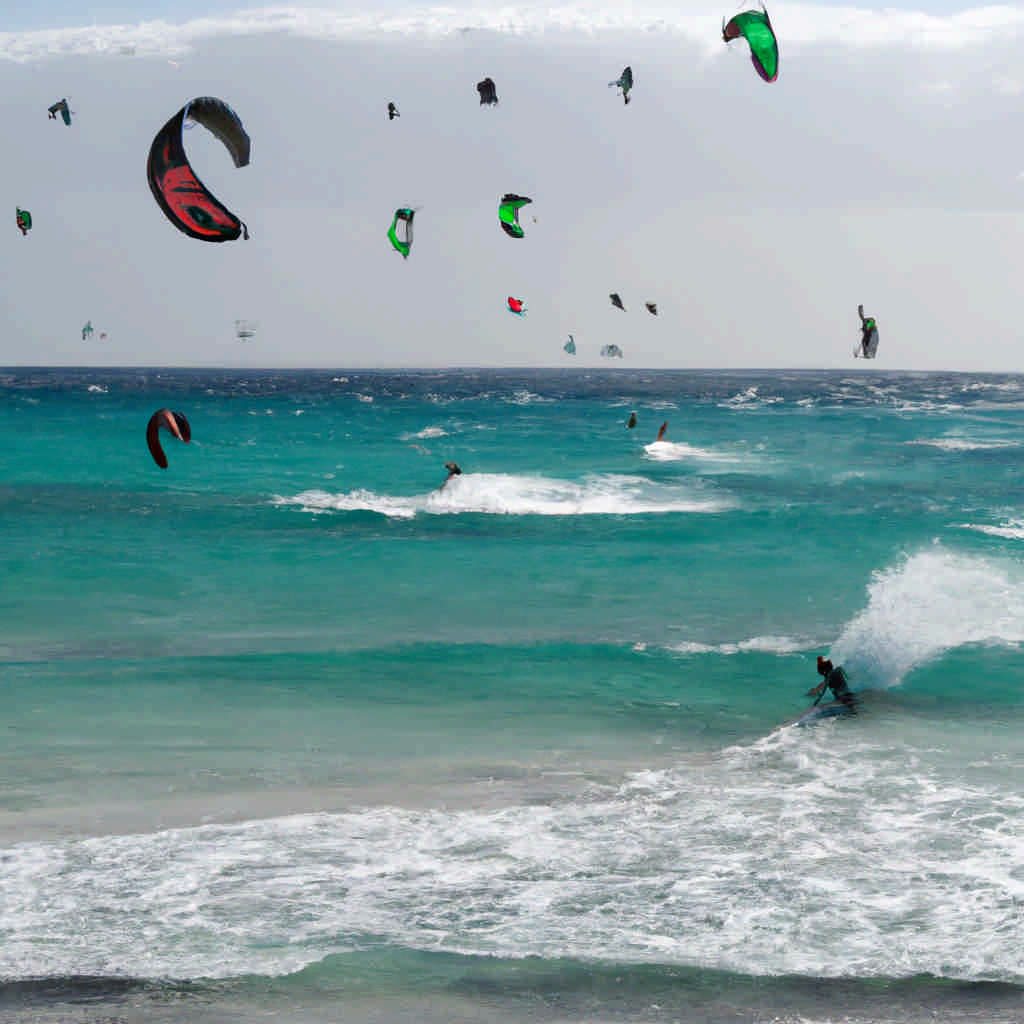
404, 217
624, 82
245, 329
756, 28
87, 330
23, 219
487, 92
868, 346
508, 213
516, 306
174, 423
570, 346
393, 112
185, 200
611, 351
616, 301
60, 107
652, 307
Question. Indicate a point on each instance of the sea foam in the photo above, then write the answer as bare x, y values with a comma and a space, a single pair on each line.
931, 602
510, 494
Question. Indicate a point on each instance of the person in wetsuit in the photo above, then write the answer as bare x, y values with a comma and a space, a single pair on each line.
453, 470
835, 680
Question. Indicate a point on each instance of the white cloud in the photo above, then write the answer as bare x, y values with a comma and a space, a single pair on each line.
798, 25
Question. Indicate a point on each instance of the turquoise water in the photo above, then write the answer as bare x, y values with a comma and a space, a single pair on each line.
292, 729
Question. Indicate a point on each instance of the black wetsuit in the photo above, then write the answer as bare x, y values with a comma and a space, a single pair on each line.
836, 682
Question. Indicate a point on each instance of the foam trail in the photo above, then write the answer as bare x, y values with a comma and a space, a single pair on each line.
932, 602
760, 644
963, 444
1011, 529
507, 494
678, 451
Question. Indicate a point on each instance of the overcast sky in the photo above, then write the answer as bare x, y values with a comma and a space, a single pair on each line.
884, 167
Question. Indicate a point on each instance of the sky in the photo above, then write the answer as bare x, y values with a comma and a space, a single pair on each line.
883, 167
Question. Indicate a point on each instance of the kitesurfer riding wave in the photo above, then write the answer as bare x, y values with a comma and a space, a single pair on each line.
835, 680
453, 470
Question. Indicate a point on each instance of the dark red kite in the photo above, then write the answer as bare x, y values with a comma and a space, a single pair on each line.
189, 206
174, 423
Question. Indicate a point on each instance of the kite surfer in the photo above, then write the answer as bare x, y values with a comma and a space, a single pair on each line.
453, 470
661, 432
835, 680
632, 420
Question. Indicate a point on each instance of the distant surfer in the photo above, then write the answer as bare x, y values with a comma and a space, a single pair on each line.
453, 470
632, 420
661, 432
835, 680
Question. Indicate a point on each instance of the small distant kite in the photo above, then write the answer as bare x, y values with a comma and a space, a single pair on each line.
487, 92
23, 219
616, 301
393, 112
103, 335
756, 28
174, 423
868, 346
570, 346
185, 200
611, 351
508, 213
400, 232
516, 306
245, 329
652, 307
624, 82
87, 330
61, 107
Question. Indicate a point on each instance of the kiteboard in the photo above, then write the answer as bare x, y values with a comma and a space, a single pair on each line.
820, 712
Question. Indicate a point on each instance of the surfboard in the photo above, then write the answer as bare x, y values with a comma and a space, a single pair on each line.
820, 712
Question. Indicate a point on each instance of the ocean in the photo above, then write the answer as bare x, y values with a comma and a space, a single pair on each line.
293, 732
